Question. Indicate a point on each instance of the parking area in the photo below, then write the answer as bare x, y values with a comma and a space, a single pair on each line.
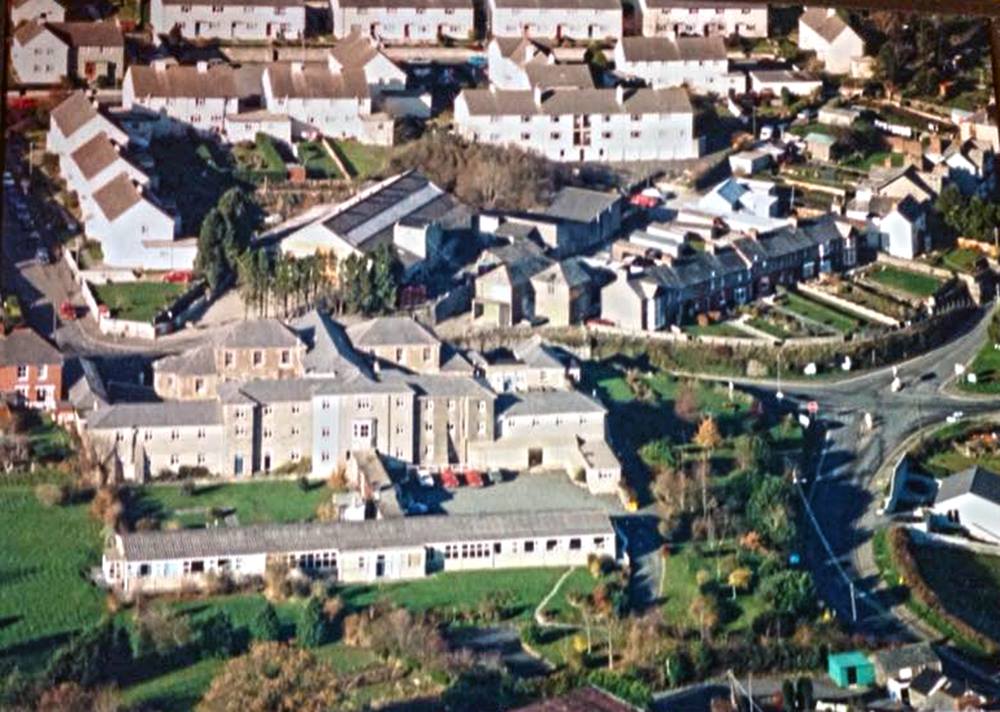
529, 491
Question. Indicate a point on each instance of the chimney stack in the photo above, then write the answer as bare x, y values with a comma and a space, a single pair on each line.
620, 94
202, 67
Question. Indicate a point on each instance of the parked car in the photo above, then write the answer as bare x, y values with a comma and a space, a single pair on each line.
449, 480
67, 311
955, 417
473, 478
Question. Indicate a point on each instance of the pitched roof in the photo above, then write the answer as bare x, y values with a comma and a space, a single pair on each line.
164, 414
95, 155
522, 258
974, 480
391, 331
666, 49
909, 208
572, 271
90, 34
401, 532
355, 50
258, 334
329, 349
783, 76
211, 82
580, 205
547, 403
315, 80
498, 102
583, 699
25, 346
559, 76
199, 361
117, 196
570, 5
73, 113
828, 25
440, 385
27, 32
892, 660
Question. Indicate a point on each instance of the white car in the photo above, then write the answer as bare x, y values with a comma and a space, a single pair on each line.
955, 417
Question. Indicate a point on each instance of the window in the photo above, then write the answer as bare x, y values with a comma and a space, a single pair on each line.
399, 355
174, 458
201, 433
554, 135
427, 353
257, 358
324, 432
482, 427
295, 410
324, 456
266, 433
286, 357
201, 458
240, 431
228, 358
428, 426
362, 429
295, 430
399, 401
635, 134
22, 373
199, 385
451, 404
294, 456
551, 545
324, 405
174, 435
529, 547
496, 547
574, 544
43, 371
40, 394
598, 542
147, 435
364, 403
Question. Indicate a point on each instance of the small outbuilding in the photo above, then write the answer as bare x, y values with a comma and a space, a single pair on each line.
820, 146
851, 669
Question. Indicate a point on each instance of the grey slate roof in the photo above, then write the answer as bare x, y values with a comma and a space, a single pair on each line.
547, 403
329, 349
572, 271
359, 385
665, 49
440, 385
154, 415
25, 347
827, 26
533, 352
915, 655
580, 205
259, 334
522, 258
391, 331
280, 390
197, 362
973, 480
397, 532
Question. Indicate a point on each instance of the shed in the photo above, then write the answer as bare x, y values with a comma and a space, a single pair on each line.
749, 162
820, 146
851, 669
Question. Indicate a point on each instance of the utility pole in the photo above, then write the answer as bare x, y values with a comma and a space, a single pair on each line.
854, 603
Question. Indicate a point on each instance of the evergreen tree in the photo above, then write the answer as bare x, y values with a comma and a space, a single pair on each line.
311, 629
265, 625
218, 636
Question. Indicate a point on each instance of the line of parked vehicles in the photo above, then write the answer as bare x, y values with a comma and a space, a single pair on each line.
18, 204
456, 477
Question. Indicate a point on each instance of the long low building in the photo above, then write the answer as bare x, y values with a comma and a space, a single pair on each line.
357, 552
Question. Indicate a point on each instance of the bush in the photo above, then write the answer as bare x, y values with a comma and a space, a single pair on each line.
311, 629
188, 488
265, 626
627, 687
51, 495
107, 507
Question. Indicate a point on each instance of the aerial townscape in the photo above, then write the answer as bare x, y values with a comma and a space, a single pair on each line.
488, 355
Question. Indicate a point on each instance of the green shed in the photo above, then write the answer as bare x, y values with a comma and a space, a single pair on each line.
851, 669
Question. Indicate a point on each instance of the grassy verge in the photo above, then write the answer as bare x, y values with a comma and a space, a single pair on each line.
46, 554
915, 283
317, 161
960, 259
720, 328
986, 366
137, 301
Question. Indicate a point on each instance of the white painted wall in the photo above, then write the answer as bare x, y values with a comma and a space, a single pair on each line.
554, 21
421, 23
743, 21
229, 20
44, 60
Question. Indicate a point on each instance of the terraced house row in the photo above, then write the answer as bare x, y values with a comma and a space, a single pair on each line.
266, 395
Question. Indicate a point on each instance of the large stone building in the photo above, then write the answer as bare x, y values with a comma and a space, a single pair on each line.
356, 552
570, 125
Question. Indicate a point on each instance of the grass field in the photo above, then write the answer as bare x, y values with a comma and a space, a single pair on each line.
317, 161
137, 301
919, 285
986, 366
769, 327
960, 259
821, 313
251, 502
361, 159
44, 559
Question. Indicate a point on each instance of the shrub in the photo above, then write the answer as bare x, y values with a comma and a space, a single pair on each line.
311, 629
188, 488
51, 495
265, 626
107, 507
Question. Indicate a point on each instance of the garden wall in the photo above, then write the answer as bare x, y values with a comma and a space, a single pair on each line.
847, 305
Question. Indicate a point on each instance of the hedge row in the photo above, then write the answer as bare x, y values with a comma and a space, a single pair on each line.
901, 546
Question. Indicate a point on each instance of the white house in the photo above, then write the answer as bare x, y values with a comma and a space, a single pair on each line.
74, 122
774, 81
93, 164
904, 230
582, 124
39, 10
696, 17
556, 19
39, 55
835, 43
524, 63
134, 231
324, 98
363, 53
970, 499
971, 165
198, 96
245, 126
404, 21
230, 19
700, 63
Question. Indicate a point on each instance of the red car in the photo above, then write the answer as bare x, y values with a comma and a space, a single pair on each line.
473, 478
449, 480
67, 311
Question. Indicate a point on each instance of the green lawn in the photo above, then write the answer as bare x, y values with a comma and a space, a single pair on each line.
875, 159
960, 259
915, 283
317, 161
986, 366
45, 557
137, 301
820, 312
769, 327
581, 582
719, 328
362, 160
252, 502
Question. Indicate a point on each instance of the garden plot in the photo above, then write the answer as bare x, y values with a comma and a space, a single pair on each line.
905, 283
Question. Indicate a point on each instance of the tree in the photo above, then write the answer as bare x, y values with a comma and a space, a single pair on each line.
159, 629
707, 438
211, 260
804, 698
705, 610
790, 592
265, 626
96, 655
787, 696
355, 284
678, 668
311, 628
583, 604
72, 697
739, 578
218, 637
385, 274
686, 402
752, 452
887, 66
769, 511
274, 677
